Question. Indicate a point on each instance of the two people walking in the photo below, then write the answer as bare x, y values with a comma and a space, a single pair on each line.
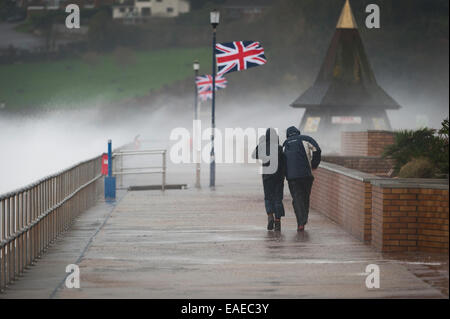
295, 160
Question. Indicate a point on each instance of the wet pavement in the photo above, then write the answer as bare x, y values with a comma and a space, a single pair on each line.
213, 244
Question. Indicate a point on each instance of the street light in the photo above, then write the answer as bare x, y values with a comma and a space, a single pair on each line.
214, 19
196, 67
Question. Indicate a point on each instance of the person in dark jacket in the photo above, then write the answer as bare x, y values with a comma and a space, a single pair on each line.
302, 154
273, 168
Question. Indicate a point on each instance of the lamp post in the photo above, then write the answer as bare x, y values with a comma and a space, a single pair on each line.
196, 67
214, 19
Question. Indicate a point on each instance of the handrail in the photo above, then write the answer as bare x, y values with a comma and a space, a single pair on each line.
140, 152
120, 170
48, 211
34, 216
27, 187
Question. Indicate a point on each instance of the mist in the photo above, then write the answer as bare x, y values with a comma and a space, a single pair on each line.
416, 113
45, 143
34, 146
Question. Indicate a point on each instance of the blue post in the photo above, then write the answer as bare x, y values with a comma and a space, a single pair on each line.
110, 181
109, 158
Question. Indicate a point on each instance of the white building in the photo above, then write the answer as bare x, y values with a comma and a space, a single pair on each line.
142, 9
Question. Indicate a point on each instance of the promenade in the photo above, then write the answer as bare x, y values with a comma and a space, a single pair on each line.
213, 244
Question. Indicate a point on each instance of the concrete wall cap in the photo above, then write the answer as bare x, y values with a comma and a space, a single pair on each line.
411, 183
386, 182
352, 173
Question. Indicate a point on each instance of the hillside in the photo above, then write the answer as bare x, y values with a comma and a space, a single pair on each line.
94, 78
409, 54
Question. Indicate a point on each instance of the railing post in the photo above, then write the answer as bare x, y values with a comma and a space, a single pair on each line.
26, 224
20, 238
13, 243
3, 249
32, 230
163, 185
121, 171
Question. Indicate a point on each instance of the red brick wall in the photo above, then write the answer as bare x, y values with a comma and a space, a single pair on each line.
368, 143
391, 214
367, 211
343, 199
409, 219
354, 143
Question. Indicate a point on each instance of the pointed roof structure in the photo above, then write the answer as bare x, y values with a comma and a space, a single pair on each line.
346, 79
346, 20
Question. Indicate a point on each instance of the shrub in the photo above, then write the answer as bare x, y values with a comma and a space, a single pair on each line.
424, 143
100, 34
444, 150
418, 168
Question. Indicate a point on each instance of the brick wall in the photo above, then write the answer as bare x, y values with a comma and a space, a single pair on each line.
368, 211
354, 143
391, 214
372, 165
368, 143
410, 219
344, 199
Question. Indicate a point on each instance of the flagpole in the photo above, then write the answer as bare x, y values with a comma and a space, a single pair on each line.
196, 97
215, 15
212, 177
196, 67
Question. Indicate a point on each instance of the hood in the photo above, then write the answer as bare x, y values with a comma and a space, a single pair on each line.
292, 131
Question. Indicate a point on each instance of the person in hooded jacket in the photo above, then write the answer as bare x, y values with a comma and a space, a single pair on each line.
302, 154
273, 168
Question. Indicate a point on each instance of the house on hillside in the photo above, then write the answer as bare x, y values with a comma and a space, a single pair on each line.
87, 4
37, 6
130, 11
246, 9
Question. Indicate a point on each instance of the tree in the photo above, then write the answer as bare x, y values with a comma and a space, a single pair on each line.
7, 8
100, 35
44, 21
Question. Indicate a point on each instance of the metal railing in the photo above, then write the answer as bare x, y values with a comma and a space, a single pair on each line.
32, 217
119, 169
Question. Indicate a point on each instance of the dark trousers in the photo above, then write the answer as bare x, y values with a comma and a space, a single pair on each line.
273, 195
300, 189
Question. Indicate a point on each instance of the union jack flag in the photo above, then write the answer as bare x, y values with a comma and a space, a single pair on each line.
204, 83
238, 56
205, 95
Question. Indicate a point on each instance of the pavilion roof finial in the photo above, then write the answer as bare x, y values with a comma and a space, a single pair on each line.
346, 20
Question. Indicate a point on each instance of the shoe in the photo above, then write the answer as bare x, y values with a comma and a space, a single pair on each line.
301, 228
270, 221
277, 225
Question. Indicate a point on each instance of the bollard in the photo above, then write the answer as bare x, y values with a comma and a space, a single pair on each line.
110, 181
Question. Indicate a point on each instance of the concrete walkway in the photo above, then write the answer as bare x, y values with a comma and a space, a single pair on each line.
213, 244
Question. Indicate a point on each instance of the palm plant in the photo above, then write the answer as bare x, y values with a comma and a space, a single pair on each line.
422, 143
